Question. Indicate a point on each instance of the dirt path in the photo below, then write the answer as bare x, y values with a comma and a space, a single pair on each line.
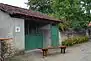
81, 52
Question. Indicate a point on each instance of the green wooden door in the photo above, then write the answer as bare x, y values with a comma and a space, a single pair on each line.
54, 36
33, 41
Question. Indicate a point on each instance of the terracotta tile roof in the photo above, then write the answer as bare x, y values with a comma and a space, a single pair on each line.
17, 10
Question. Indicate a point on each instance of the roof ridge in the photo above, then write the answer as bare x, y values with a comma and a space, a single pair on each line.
14, 6
23, 8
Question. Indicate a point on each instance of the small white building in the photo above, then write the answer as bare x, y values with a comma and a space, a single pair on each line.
29, 30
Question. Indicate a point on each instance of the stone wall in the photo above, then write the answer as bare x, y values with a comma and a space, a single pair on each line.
72, 33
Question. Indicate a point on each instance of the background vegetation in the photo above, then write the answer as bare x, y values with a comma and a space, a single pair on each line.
75, 40
74, 13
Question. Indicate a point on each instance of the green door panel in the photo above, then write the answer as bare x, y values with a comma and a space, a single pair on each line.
54, 36
33, 41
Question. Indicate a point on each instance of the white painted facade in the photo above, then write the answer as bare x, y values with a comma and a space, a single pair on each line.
7, 30
8, 26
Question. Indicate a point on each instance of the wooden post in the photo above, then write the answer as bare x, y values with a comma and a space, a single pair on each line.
63, 48
45, 51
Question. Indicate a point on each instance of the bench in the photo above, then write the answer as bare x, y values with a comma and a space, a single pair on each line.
45, 50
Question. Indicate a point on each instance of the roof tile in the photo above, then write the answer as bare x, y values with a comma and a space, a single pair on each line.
17, 10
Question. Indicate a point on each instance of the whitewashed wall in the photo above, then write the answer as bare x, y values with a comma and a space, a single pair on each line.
7, 30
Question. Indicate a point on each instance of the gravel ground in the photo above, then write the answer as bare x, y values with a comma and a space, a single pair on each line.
80, 52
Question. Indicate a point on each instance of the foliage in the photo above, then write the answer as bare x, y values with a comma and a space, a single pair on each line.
64, 26
74, 13
71, 12
43, 6
75, 40
86, 4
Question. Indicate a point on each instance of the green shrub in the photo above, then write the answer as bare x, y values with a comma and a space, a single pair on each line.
75, 40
